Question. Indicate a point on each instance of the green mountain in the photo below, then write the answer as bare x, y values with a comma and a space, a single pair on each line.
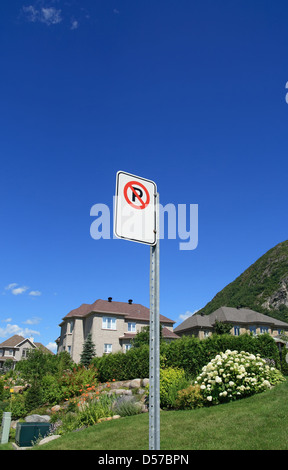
263, 287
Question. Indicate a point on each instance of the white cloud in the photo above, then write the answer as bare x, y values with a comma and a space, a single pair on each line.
74, 24
52, 346
32, 321
10, 286
35, 293
11, 330
16, 290
19, 290
7, 320
49, 15
186, 315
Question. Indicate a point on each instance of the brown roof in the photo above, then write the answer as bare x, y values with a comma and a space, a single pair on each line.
17, 339
12, 342
43, 348
166, 333
130, 311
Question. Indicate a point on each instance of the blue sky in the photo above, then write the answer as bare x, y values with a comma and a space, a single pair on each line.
188, 94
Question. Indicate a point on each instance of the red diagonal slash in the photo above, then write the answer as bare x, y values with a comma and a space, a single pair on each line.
130, 186
138, 197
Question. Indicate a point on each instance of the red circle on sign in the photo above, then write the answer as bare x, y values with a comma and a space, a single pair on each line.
130, 186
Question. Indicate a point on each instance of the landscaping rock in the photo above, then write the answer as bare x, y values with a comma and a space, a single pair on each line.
48, 439
120, 391
55, 408
145, 382
37, 419
136, 383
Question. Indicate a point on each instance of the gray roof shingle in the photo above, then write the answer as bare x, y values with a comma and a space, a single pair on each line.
229, 314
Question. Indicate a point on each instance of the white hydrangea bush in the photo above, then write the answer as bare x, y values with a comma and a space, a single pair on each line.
232, 375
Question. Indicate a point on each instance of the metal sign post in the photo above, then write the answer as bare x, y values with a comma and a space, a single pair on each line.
136, 219
154, 350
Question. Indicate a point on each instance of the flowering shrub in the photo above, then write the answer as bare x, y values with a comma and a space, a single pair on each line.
86, 410
232, 375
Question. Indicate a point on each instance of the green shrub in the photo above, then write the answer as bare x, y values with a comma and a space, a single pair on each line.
1, 389
33, 397
188, 353
18, 406
123, 366
171, 381
53, 393
191, 353
284, 364
189, 398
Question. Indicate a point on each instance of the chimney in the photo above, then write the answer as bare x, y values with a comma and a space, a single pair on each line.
130, 301
109, 299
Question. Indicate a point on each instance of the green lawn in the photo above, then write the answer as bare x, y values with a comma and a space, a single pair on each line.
256, 423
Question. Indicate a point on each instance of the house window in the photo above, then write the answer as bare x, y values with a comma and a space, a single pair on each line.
236, 330
71, 326
252, 330
132, 327
107, 348
1, 352
263, 329
25, 352
9, 352
127, 347
206, 333
109, 323
69, 349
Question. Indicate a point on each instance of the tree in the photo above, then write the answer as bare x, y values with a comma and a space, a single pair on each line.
142, 337
88, 351
34, 367
222, 328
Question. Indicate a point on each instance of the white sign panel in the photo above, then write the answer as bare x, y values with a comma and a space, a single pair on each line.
135, 208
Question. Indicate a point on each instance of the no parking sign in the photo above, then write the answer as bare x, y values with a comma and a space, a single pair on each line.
135, 208
136, 218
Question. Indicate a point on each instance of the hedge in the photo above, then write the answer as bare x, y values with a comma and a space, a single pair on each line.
188, 353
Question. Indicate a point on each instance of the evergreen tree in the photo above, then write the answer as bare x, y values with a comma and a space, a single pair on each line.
88, 351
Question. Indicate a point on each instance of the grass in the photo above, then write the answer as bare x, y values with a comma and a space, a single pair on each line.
255, 423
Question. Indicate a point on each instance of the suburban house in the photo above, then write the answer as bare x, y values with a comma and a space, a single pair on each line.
242, 320
17, 348
111, 324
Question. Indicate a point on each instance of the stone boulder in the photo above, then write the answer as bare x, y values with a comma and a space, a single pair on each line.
37, 419
136, 383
